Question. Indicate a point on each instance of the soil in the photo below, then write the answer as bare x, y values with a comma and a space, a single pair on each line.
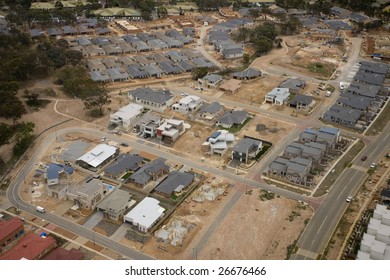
263, 230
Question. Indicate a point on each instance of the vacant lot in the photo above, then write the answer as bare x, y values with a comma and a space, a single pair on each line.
253, 92
257, 229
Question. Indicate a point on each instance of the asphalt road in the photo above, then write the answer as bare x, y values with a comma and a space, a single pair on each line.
320, 228
14, 198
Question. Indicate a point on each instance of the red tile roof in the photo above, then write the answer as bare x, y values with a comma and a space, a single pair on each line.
30, 247
7, 227
63, 254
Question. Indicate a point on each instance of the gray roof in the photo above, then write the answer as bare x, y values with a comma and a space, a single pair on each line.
116, 201
370, 78
294, 84
175, 181
155, 96
101, 41
124, 162
379, 68
354, 101
233, 117
135, 72
247, 73
337, 24
211, 108
301, 99
186, 65
140, 45
316, 145
145, 173
246, 145
212, 78
117, 74
364, 89
229, 52
339, 113
153, 70
98, 76
202, 62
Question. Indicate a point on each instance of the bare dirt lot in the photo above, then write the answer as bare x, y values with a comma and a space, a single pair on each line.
272, 224
310, 58
262, 230
254, 91
279, 129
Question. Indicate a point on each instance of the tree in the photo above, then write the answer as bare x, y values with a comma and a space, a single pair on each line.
10, 105
146, 15
199, 72
97, 102
254, 13
162, 12
23, 139
73, 57
262, 45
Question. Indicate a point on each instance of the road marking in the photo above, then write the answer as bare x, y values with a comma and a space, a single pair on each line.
360, 168
319, 229
307, 254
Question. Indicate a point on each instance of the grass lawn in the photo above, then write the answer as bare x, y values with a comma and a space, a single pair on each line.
127, 175
380, 122
237, 128
344, 162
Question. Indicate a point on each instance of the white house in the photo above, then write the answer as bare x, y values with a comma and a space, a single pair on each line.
218, 142
145, 214
127, 115
188, 104
98, 156
277, 96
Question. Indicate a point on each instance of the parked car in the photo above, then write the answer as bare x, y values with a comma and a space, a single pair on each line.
124, 144
364, 158
373, 165
349, 199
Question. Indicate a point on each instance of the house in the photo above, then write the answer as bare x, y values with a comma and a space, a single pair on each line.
97, 157
326, 135
114, 205
294, 85
246, 149
385, 196
364, 77
296, 149
218, 142
277, 96
343, 115
54, 171
125, 116
210, 80
98, 76
232, 53
112, 49
96, 65
141, 46
174, 183
355, 102
118, 75
301, 102
157, 100
87, 193
123, 163
372, 67
153, 70
93, 50
170, 130
247, 74
136, 72
110, 63
62, 254
145, 214
188, 104
147, 124
30, 247
232, 118
295, 170
150, 171
10, 232
211, 111
363, 89
230, 85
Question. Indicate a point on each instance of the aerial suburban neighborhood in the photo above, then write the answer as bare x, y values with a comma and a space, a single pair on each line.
194, 130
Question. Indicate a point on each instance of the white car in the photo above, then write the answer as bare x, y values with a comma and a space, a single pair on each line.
349, 199
373, 165
184, 94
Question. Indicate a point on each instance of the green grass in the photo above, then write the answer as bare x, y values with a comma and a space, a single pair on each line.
264, 150
237, 128
343, 163
127, 175
380, 122
321, 68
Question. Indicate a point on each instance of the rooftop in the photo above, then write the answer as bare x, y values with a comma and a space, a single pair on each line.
175, 182
146, 213
98, 155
